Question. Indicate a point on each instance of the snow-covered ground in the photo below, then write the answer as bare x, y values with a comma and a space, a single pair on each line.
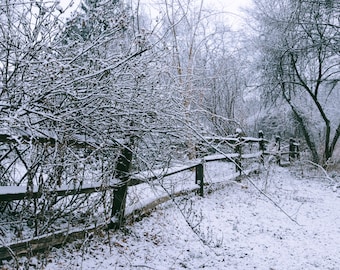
233, 227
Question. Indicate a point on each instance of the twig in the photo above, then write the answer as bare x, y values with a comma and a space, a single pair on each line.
263, 193
142, 266
326, 174
271, 200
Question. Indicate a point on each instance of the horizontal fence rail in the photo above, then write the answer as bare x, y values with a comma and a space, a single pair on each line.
12, 193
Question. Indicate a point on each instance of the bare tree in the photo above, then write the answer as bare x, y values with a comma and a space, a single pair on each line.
224, 83
298, 42
205, 75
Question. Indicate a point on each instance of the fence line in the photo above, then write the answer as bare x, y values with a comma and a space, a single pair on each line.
120, 185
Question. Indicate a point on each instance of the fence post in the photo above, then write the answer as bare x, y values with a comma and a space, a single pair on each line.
119, 195
262, 146
297, 150
238, 149
291, 149
278, 149
199, 177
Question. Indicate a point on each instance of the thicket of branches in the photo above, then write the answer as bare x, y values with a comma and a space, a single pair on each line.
72, 96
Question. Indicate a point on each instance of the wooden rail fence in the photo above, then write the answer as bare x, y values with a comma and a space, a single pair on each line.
119, 187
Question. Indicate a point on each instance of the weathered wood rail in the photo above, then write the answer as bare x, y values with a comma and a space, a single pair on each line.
119, 188
13, 193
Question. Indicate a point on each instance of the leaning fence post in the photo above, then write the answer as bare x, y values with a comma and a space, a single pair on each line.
119, 194
199, 177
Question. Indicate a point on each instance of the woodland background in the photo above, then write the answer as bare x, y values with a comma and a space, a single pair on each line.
75, 91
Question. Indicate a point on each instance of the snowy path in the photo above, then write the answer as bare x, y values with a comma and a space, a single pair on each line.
240, 228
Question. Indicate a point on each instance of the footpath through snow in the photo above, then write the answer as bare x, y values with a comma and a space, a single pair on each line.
232, 227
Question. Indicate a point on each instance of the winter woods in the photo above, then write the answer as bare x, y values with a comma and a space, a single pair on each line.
75, 91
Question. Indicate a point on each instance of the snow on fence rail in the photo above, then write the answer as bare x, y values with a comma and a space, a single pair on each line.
119, 188
13, 193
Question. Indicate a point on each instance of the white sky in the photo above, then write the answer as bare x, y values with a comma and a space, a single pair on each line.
232, 9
